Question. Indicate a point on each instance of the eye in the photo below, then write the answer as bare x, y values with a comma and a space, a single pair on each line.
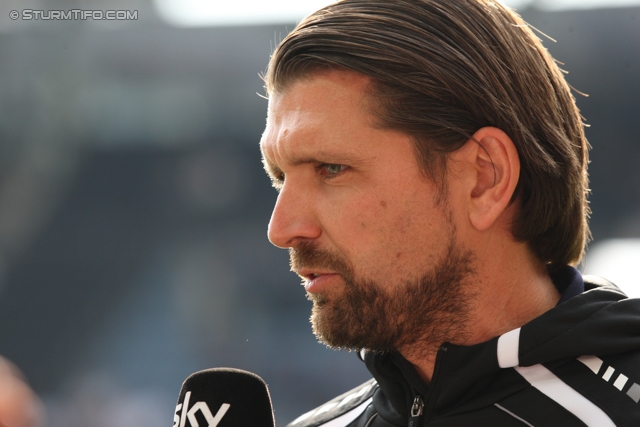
332, 170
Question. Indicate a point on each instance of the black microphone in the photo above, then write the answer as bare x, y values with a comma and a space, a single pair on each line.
224, 397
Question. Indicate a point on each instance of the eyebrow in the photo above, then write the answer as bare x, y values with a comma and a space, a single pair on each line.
272, 170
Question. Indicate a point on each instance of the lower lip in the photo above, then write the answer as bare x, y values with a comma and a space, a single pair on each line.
320, 283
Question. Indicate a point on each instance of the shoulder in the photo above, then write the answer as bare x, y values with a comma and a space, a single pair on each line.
342, 410
600, 283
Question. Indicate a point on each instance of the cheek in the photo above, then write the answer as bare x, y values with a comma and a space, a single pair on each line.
374, 236
384, 235
357, 224
410, 237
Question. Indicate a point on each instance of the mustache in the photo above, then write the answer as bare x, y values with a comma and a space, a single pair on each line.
309, 255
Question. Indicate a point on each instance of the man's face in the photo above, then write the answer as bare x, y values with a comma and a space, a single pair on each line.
377, 251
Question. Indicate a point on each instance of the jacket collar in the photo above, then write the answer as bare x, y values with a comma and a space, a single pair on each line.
598, 321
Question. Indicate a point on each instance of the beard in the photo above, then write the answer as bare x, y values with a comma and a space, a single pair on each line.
410, 317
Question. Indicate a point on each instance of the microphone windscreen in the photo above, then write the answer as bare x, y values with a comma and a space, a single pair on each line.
224, 397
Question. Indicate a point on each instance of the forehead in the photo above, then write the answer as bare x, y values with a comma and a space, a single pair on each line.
319, 110
328, 85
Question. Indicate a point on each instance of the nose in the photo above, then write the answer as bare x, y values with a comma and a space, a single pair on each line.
294, 218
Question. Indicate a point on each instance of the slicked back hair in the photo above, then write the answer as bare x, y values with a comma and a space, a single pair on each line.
442, 69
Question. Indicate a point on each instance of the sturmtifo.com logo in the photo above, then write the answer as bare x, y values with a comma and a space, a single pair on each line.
184, 413
74, 15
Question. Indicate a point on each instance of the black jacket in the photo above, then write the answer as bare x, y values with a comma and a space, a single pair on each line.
576, 365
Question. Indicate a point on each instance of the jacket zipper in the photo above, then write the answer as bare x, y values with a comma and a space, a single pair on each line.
417, 408
416, 411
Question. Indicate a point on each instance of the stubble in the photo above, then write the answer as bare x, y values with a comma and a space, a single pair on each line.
411, 317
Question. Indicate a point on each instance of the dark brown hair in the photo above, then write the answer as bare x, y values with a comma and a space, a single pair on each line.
442, 69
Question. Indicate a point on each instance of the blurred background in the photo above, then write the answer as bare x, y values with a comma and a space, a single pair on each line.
134, 208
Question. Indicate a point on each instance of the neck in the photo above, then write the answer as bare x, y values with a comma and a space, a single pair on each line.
506, 293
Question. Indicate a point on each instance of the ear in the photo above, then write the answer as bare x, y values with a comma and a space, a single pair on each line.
492, 167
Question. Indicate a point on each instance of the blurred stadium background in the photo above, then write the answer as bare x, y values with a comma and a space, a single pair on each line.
133, 205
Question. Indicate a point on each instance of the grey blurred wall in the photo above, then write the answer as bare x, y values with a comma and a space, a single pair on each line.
133, 207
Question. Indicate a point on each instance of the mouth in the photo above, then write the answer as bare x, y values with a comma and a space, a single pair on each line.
311, 273
316, 281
